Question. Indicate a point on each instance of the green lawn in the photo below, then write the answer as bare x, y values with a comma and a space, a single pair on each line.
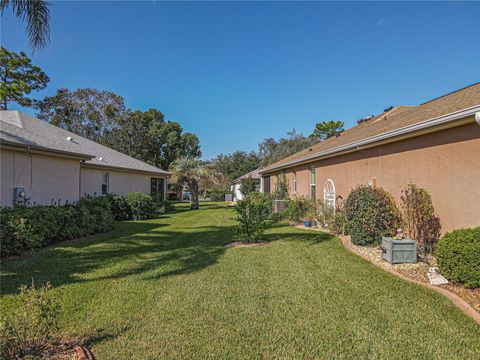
167, 288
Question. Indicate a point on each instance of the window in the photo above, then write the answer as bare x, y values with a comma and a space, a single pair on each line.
266, 184
294, 181
313, 183
105, 182
157, 188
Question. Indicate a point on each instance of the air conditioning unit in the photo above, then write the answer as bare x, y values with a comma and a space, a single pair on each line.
19, 195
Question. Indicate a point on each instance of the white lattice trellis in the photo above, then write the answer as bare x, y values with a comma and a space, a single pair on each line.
329, 195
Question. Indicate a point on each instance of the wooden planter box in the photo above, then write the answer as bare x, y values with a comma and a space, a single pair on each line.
399, 251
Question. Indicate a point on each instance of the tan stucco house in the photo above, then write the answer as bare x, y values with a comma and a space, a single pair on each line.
41, 163
435, 145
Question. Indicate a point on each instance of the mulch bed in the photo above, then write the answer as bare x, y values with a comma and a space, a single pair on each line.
240, 244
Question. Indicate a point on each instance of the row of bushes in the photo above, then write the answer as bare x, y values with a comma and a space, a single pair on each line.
26, 227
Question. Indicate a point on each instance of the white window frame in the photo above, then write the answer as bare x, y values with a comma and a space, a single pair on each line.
313, 195
294, 182
105, 181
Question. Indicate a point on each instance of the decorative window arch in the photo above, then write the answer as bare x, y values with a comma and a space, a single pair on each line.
329, 195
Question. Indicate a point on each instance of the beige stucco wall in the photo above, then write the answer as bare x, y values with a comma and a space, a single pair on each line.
43, 177
120, 182
446, 163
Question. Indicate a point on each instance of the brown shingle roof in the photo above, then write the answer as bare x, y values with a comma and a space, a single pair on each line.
396, 118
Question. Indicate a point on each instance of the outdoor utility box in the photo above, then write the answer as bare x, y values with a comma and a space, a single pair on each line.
19, 195
278, 205
399, 251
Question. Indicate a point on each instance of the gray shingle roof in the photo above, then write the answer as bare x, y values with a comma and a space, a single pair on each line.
252, 174
21, 129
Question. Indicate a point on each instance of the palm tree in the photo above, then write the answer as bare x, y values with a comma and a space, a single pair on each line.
188, 171
37, 15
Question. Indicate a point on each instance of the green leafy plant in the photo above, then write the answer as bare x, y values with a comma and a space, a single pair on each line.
18, 78
254, 216
247, 186
339, 221
299, 208
419, 217
30, 330
25, 227
371, 213
141, 205
458, 255
281, 188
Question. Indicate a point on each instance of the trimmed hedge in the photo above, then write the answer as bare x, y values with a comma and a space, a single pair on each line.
371, 213
141, 206
24, 227
458, 255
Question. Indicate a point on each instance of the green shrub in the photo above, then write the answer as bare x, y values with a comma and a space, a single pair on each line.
299, 208
141, 205
254, 215
120, 209
458, 255
217, 195
371, 213
30, 330
29, 227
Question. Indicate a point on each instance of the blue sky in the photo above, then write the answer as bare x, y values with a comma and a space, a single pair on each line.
236, 73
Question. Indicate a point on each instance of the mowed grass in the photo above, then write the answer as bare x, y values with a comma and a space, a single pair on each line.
168, 288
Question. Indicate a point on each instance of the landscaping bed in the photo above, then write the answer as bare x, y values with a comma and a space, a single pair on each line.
417, 272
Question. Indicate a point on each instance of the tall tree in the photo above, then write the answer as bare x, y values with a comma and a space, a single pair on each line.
19, 78
326, 129
37, 15
89, 113
188, 171
271, 150
101, 116
148, 137
236, 164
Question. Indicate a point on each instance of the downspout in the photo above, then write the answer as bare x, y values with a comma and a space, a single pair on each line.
80, 180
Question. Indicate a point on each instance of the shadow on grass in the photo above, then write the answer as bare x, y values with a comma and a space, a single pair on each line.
133, 248
146, 249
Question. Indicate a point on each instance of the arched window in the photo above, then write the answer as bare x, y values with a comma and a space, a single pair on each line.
329, 195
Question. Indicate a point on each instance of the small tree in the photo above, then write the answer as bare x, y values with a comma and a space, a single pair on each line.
254, 215
18, 78
419, 217
247, 185
188, 171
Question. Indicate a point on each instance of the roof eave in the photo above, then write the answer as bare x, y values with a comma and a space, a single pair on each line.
120, 168
456, 118
43, 151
